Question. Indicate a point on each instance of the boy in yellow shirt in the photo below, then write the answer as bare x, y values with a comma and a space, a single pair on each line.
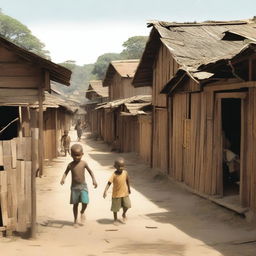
121, 190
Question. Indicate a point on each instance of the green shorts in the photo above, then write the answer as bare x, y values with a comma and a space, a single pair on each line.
79, 195
120, 202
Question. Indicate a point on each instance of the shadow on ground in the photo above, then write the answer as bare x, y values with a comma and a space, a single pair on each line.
217, 227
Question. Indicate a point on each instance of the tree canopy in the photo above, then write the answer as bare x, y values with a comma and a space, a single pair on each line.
134, 47
16, 32
102, 63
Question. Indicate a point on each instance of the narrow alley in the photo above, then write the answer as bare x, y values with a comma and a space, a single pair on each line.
164, 218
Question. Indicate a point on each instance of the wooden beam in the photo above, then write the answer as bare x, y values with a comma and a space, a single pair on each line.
232, 95
41, 135
229, 86
34, 145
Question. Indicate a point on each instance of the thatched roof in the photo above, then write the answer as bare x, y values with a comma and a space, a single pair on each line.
97, 87
193, 45
57, 73
125, 68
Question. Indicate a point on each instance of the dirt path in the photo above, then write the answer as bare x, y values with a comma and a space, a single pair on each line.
164, 219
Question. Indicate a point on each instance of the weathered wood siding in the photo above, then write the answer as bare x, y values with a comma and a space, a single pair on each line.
145, 137
15, 183
164, 68
160, 138
129, 134
121, 88
16, 73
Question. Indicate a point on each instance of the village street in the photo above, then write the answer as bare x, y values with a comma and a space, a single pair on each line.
164, 218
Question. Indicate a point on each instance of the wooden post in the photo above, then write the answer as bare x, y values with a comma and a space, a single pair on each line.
40, 121
56, 132
34, 145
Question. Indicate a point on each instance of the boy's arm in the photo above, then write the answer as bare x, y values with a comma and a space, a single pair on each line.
106, 189
128, 184
92, 175
65, 175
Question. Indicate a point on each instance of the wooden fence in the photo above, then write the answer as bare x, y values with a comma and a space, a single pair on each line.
15, 184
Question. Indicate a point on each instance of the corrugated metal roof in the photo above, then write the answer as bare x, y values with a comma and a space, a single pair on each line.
125, 68
193, 45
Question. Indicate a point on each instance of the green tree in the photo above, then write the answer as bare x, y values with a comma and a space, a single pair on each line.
134, 47
102, 63
16, 32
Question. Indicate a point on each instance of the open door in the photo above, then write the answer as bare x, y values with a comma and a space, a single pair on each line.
229, 134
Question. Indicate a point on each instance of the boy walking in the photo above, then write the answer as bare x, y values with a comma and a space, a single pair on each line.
121, 190
79, 190
65, 142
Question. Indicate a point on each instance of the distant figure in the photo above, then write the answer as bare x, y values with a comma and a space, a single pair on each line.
79, 129
65, 142
121, 190
79, 190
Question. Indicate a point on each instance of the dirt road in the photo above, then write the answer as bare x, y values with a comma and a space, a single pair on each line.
164, 219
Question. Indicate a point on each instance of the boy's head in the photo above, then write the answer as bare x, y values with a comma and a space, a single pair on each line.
119, 163
66, 132
77, 152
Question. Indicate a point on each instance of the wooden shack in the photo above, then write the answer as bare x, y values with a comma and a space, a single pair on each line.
24, 77
119, 77
96, 94
132, 126
156, 68
58, 117
211, 109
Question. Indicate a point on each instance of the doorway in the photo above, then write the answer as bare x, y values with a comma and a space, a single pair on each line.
231, 136
8, 114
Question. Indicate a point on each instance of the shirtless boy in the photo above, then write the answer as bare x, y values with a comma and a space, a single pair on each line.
79, 190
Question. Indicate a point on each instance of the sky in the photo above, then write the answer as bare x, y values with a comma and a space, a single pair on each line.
82, 30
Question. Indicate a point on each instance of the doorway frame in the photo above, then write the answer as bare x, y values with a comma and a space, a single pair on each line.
218, 137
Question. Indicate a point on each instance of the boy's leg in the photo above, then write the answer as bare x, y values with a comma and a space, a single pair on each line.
124, 213
84, 206
75, 211
115, 218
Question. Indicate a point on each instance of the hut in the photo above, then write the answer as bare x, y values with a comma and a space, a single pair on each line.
24, 76
58, 117
132, 126
96, 94
118, 78
211, 108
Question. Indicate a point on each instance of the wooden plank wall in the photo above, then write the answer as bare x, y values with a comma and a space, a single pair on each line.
122, 87
15, 183
249, 168
145, 137
108, 126
165, 67
177, 157
160, 147
50, 147
16, 73
129, 134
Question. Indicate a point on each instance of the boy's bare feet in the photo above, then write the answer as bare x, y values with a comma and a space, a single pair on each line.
82, 218
76, 225
116, 222
124, 218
